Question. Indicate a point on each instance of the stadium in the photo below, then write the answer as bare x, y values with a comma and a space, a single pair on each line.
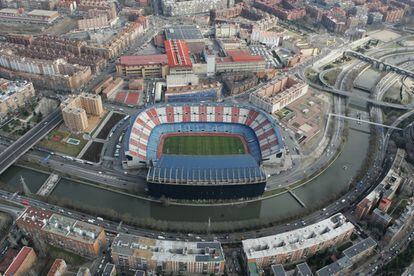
203, 151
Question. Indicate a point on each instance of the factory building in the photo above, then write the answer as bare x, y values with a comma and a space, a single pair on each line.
149, 66
179, 7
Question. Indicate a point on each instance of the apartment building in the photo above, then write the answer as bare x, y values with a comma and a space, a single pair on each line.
164, 256
117, 43
58, 268
14, 94
76, 108
278, 93
44, 226
22, 263
44, 73
297, 244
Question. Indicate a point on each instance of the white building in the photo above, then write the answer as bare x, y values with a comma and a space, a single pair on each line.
297, 244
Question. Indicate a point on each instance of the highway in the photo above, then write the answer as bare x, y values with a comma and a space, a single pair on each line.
114, 178
29, 139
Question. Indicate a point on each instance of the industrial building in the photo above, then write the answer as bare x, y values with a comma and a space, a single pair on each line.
32, 17
189, 7
188, 33
240, 61
165, 256
149, 66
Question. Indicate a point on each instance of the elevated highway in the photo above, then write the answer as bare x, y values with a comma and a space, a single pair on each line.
29, 139
379, 64
349, 94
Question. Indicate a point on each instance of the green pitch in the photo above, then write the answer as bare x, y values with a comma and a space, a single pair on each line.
203, 145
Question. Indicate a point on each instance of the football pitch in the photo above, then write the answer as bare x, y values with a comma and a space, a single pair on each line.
203, 145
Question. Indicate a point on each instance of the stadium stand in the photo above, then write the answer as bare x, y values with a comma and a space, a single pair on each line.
183, 176
176, 118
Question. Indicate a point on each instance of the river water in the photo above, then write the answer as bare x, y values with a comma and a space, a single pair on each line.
315, 193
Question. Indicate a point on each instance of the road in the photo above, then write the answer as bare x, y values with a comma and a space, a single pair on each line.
29, 139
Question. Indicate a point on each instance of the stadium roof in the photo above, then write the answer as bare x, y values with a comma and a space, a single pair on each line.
177, 53
184, 32
206, 169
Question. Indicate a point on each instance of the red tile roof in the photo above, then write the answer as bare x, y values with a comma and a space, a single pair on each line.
143, 60
55, 267
243, 56
18, 261
177, 53
34, 218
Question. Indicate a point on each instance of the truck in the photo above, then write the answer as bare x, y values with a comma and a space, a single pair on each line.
99, 218
161, 237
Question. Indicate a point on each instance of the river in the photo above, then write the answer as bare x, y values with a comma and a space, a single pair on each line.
315, 193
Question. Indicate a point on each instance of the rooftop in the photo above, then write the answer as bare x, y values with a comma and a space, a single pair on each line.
304, 270
282, 86
56, 267
71, 228
43, 13
184, 32
166, 250
59, 225
177, 53
278, 270
108, 269
360, 247
13, 11
143, 60
8, 88
240, 56
335, 268
297, 239
18, 261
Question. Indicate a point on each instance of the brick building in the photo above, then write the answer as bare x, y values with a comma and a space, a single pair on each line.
23, 262
44, 226
278, 93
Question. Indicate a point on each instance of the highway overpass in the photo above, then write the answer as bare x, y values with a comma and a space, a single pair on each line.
29, 139
379, 64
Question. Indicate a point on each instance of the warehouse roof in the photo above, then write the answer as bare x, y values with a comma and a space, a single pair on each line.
143, 60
